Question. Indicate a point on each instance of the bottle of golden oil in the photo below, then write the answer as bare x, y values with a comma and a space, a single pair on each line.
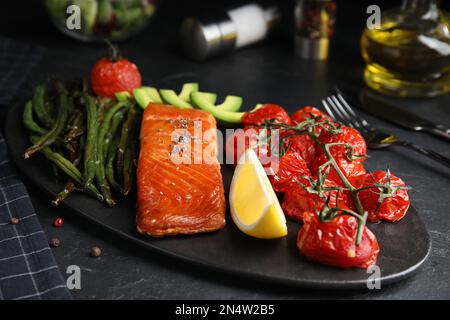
408, 54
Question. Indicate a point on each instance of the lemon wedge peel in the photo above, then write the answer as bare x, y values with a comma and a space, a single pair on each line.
271, 222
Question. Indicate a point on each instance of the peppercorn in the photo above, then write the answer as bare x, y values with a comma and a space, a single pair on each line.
58, 222
55, 242
96, 252
14, 220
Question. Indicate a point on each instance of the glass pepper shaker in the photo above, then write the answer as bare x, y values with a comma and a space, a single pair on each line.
314, 27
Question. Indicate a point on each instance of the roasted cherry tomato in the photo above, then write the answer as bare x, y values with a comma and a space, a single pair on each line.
257, 139
349, 168
303, 145
297, 201
391, 209
334, 242
237, 143
349, 136
291, 166
306, 112
109, 76
266, 112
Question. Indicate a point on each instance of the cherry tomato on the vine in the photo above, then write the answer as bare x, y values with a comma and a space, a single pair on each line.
303, 145
349, 136
297, 201
306, 112
260, 140
334, 242
391, 208
109, 76
291, 166
348, 168
266, 112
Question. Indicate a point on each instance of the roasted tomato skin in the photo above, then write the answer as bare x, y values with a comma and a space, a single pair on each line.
298, 202
266, 112
391, 209
300, 115
303, 145
334, 243
349, 168
291, 166
349, 136
238, 142
109, 77
250, 137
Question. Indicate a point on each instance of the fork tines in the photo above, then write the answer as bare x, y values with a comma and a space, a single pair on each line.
339, 108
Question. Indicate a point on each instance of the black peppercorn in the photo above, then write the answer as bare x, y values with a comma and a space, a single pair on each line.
55, 242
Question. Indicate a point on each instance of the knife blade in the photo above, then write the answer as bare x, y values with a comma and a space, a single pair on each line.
398, 116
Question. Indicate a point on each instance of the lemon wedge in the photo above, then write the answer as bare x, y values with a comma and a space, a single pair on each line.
254, 205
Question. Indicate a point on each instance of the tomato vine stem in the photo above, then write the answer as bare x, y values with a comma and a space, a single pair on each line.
309, 127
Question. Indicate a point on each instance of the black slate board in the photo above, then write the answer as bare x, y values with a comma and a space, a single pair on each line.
404, 246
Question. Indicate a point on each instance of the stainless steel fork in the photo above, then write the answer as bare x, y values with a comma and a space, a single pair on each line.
339, 108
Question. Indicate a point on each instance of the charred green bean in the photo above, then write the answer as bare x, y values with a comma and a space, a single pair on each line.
75, 128
39, 106
28, 120
90, 149
68, 168
129, 156
51, 136
69, 187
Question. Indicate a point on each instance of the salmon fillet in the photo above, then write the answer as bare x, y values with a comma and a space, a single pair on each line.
180, 188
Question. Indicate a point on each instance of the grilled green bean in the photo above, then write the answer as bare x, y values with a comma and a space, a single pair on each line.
28, 120
111, 143
51, 136
116, 121
90, 149
102, 145
75, 128
40, 108
106, 129
112, 152
129, 156
32, 126
69, 187
124, 134
68, 168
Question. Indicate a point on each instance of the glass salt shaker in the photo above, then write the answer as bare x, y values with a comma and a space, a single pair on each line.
227, 30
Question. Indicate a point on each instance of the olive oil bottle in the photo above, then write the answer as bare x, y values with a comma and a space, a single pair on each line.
409, 54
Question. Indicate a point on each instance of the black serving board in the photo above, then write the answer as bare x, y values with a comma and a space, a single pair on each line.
404, 245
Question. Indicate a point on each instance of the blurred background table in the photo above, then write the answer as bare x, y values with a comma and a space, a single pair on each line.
266, 72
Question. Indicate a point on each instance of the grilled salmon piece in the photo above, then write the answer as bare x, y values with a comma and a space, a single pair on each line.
180, 188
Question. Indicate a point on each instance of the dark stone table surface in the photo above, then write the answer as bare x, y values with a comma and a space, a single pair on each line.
266, 72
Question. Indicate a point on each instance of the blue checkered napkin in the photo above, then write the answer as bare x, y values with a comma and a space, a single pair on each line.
27, 267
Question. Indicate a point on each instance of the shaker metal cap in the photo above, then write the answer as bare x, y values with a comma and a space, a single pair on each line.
203, 38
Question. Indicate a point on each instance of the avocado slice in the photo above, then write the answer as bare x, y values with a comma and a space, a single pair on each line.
231, 103
223, 116
141, 97
210, 97
170, 97
146, 95
186, 91
153, 94
122, 96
